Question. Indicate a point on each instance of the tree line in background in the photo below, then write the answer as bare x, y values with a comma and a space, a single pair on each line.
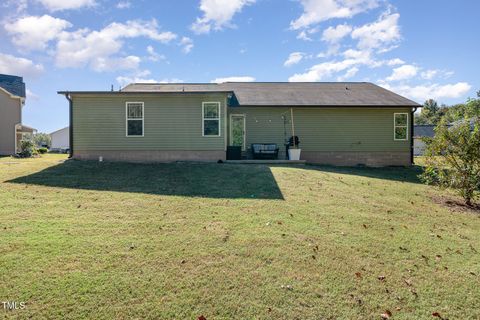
432, 113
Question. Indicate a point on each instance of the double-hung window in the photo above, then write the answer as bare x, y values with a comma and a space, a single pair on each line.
135, 119
211, 119
400, 124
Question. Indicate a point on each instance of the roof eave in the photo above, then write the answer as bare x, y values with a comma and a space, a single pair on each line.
141, 92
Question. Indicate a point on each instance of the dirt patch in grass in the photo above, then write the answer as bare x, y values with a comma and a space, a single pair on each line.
455, 204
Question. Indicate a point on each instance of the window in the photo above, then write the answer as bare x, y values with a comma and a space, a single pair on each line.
134, 119
400, 124
211, 119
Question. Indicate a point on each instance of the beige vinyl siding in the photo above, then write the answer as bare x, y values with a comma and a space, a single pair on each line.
172, 122
10, 115
326, 129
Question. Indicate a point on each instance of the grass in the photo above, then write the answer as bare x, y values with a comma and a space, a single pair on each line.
175, 241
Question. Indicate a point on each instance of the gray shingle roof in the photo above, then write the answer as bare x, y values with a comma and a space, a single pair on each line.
290, 93
13, 84
424, 130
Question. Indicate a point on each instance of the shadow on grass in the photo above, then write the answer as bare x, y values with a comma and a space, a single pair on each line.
174, 179
402, 174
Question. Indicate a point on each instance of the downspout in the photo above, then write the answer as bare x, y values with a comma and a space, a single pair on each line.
70, 128
412, 117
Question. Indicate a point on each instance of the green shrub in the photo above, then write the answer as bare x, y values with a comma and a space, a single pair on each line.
42, 150
453, 159
27, 149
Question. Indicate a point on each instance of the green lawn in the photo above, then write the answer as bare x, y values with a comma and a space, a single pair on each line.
89, 240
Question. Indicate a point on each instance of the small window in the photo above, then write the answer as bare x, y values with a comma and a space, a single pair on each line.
400, 126
134, 119
211, 119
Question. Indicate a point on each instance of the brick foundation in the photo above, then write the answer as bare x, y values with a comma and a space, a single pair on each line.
370, 159
150, 156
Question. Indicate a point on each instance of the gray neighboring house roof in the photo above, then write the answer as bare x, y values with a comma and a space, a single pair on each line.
471, 120
327, 94
13, 84
424, 130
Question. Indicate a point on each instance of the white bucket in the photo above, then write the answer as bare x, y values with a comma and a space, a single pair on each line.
294, 154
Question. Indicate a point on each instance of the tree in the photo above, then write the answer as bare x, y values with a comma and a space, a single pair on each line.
453, 159
430, 113
40, 139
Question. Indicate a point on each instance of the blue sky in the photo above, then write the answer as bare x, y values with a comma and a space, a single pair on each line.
420, 49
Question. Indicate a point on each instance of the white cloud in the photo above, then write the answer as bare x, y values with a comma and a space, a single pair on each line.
353, 59
334, 35
101, 64
139, 77
394, 62
58, 5
171, 80
124, 5
331, 51
234, 79
31, 95
153, 55
294, 58
349, 74
217, 14
19, 66
303, 35
433, 91
316, 11
378, 34
429, 74
323, 70
19, 6
34, 33
404, 72
94, 48
187, 44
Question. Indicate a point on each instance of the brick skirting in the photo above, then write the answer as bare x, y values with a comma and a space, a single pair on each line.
150, 156
370, 159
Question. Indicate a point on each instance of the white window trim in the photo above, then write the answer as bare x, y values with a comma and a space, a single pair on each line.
126, 119
244, 129
218, 119
395, 126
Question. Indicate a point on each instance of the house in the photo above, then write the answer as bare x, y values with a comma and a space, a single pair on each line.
60, 140
344, 123
472, 121
12, 100
420, 132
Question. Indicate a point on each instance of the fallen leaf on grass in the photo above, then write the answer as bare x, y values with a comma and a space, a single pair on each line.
381, 278
386, 315
358, 275
437, 315
414, 293
408, 282
202, 318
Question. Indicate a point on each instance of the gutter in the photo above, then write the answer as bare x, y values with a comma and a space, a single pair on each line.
70, 120
412, 117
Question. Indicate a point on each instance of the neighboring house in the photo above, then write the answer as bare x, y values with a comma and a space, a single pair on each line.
421, 131
471, 120
337, 123
12, 99
60, 140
